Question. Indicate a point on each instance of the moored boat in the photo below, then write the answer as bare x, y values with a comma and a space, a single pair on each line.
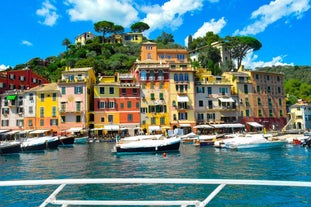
147, 144
66, 140
9, 147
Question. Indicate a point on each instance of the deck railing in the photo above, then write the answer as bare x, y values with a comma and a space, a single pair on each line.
220, 182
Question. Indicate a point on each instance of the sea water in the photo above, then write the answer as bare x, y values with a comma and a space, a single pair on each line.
95, 160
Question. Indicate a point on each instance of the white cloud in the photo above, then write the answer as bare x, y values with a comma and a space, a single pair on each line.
211, 26
170, 14
48, 12
3, 67
250, 61
276, 10
26, 42
117, 11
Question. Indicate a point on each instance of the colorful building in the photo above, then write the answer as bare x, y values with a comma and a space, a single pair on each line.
214, 103
83, 38
299, 117
116, 105
261, 97
42, 107
76, 98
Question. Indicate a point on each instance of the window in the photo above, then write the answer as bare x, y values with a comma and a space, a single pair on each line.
201, 103
143, 75
245, 89
259, 113
78, 90
53, 122
257, 76
41, 122
63, 119
123, 91
270, 113
122, 105
102, 90
280, 101
5, 122
246, 102
42, 97
162, 120
152, 96
54, 111
258, 89
180, 57
149, 55
78, 105
153, 120
63, 89
54, 96
30, 109
102, 119
129, 104
20, 123
101, 105
110, 118
111, 90
175, 77
63, 106
111, 104
41, 112
247, 113
259, 101
135, 91
30, 123
137, 105
130, 117
269, 102
182, 116
281, 113
279, 89
269, 89
78, 118
161, 96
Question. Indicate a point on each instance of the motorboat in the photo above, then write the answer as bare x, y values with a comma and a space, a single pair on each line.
147, 144
39, 140
66, 140
9, 147
248, 141
189, 138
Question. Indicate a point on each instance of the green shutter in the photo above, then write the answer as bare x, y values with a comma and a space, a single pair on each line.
11, 97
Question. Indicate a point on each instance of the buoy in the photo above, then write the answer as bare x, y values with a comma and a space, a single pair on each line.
164, 154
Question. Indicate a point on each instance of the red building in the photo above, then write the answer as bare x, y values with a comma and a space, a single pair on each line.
20, 80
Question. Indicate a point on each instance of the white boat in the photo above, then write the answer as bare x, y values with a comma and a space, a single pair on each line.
190, 138
9, 147
147, 144
258, 141
39, 140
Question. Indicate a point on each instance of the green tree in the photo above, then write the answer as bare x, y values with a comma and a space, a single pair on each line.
139, 27
118, 29
165, 38
210, 58
66, 42
239, 46
104, 27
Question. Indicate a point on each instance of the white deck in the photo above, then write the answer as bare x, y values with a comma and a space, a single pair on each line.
52, 199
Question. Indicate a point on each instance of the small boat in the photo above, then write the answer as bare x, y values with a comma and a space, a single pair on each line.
39, 140
66, 140
81, 140
253, 141
147, 144
9, 147
190, 138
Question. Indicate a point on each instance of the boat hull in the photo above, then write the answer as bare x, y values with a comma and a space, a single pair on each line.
9, 148
153, 149
63, 141
80, 140
266, 145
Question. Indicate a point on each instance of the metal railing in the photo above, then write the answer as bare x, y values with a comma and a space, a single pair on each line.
220, 182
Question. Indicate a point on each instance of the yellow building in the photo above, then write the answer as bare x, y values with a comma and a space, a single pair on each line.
166, 103
261, 97
82, 38
44, 107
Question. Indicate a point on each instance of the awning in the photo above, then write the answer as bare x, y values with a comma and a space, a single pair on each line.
182, 99
39, 131
3, 130
11, 97
254, 124
219, 126
11, 132
226, 100
154, 128
203, 126
75, 129
184, 125
112, 127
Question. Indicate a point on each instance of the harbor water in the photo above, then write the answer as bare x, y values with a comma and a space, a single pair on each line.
95, 160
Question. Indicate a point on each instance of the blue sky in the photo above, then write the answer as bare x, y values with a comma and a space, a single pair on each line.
37, 28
